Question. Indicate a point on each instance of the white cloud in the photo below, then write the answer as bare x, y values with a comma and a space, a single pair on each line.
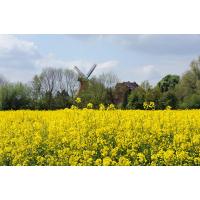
11, 47
108, 64
20, 60
51, 61
147, 72
17, 58
159, 44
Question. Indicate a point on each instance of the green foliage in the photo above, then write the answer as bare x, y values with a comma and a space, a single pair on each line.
144, 93
14, 96
62, 100
188, 91
146, 86
95, 93
168, 99
192, 102
57, 88
136, 99
168, 82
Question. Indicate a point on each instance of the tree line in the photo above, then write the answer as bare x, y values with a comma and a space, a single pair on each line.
57, 88
178, 92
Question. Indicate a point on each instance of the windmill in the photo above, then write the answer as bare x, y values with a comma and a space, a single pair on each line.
83, 79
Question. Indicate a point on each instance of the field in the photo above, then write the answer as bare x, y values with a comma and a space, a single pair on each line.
95, 137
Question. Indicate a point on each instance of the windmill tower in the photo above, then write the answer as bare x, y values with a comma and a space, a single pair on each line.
83, 79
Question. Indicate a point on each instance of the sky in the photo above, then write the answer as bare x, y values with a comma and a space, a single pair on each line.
130, 57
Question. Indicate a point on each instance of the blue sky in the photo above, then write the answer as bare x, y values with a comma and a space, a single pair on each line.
131, 57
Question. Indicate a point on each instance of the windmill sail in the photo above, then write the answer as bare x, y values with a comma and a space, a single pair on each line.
79, 71
91, 70
83, 79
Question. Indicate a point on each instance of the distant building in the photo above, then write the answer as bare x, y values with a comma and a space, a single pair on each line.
122, 90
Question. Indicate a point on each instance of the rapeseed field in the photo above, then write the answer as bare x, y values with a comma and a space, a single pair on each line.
74, 137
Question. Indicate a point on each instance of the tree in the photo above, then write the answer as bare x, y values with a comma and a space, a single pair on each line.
15, 96
189, 87
168, 82
49, 80
62, 100
60, 86
70, 82
136, 98
190, 102
95, 93
168, 99
109, 80
36, 92
146, 85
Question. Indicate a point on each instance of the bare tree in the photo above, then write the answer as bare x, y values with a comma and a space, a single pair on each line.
36, 87
49, 79
71, 82
60, 82
146, 85
109, 80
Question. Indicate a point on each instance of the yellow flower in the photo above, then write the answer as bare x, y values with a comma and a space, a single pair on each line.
168, 108
169, 157
89, 105
74, 107
141, 159
98, 162
78, 100
91, 137
107, 161
124, 161
149, 105
101, 107
111, 107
